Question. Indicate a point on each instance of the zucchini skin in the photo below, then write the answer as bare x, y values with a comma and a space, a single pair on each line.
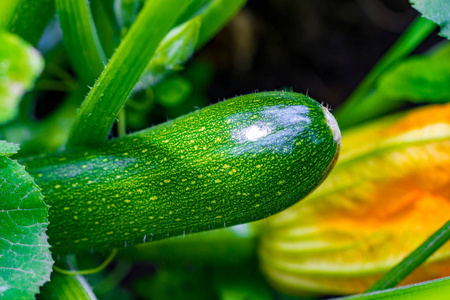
237, 161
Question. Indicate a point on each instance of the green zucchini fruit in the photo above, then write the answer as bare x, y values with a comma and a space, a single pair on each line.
237, 161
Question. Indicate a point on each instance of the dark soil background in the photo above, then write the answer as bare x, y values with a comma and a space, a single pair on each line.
320, 47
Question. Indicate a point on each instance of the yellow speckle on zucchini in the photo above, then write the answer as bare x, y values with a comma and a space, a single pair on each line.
273, 146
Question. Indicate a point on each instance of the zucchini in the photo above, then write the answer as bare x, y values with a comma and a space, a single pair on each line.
234, 162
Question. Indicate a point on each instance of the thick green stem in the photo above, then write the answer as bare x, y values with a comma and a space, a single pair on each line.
411, 38
97, 269
412, 261
25, 18
68, 287
81, 40
100, 108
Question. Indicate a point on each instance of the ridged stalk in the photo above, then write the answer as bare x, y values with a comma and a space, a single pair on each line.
81, 40
102, 105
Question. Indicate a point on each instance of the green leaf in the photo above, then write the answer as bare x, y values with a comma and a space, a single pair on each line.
8, 149
20, 64
177, 47
25, 259
419, 79
437, 11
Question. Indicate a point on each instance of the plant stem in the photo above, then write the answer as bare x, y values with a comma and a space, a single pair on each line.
97, 269
25, 18
121, 124
419, 29
412, 261
100, 108
108, 32
66, 287
81, 40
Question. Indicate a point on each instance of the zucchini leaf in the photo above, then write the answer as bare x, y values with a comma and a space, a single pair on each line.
437, 11
25, 259
8, 149
419, 79
20, 64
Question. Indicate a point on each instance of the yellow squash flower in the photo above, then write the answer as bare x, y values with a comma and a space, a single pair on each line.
389, 191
